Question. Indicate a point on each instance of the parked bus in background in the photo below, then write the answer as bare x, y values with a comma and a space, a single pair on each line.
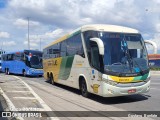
106, 60
26, 62
1, 52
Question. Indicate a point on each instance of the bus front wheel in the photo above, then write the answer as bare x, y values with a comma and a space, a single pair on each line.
24, 73
7, 71
83, 88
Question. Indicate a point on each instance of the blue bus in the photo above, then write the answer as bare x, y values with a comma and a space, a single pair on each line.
26, 62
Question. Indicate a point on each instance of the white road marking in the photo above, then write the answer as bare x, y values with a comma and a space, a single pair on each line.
9, 103
31, 98
44, 105
15, 87
18, 91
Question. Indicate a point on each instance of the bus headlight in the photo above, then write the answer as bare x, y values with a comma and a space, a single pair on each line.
110, 82
32, 71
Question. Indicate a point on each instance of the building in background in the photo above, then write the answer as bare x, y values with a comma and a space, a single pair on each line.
1, 52
154, 59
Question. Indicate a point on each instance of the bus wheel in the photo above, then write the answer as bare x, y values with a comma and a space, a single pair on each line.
24, 73
8, 72
52, 80
84, 90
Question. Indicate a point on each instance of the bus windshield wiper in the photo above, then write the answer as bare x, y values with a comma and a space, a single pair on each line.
124, 48
137, 69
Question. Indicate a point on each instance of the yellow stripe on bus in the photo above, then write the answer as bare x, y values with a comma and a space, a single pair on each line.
122, 79
53, 66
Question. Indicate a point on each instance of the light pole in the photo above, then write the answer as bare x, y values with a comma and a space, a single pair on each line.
39, 38
40, 44
28, 35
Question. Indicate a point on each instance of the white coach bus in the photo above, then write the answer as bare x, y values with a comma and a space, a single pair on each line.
106, 60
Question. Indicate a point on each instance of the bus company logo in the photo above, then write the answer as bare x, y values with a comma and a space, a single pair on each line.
52, 63
124, 80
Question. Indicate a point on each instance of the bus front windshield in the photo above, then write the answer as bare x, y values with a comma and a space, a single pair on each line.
36, 62
124, 53
34, 59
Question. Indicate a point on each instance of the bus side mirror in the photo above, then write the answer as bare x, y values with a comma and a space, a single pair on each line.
100, 45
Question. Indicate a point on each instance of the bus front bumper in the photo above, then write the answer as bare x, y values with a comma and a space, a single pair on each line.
112, 91
35, 72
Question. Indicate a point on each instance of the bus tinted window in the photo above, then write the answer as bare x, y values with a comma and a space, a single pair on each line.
63, 48
54, 51
18, 56
10, 57
69, 47
74, 45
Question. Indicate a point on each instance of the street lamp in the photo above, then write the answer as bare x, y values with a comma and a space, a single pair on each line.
40, 44
39, 38
28, 35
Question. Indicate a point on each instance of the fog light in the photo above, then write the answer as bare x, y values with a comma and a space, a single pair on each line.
110, 82
110, 91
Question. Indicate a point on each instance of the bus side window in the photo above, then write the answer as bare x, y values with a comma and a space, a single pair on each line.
27, 61
74, 46
80, 50
95, 59
10, 57
63, 48
23, 57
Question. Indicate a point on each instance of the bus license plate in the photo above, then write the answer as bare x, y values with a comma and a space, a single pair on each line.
132, 91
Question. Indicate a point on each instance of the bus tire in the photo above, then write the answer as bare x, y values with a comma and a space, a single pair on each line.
8, 72
83, 88
24, 73
52, 79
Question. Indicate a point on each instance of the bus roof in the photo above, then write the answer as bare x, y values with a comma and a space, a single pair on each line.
109, 28
96, 27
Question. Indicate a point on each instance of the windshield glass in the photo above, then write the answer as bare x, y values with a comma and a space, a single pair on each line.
36, 62
124, 52
34, 59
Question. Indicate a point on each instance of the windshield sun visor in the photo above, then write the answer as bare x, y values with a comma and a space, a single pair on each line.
134, 45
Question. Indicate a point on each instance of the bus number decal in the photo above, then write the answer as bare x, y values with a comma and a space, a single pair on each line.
95, 87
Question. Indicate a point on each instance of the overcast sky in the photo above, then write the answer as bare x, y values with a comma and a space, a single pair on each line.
50, 19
